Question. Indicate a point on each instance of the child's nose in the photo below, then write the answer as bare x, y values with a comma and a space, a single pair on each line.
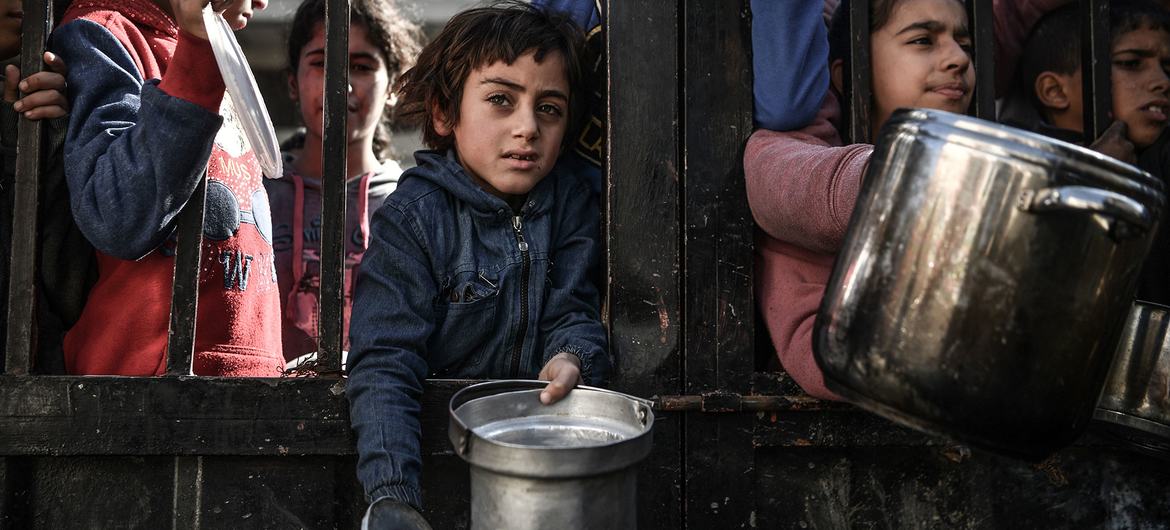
956, 58
525, 125
257, 5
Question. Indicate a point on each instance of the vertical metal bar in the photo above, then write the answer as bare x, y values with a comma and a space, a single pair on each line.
858, 84
38, 19
1096, 69
187, 500
982, 25
333, 178
185, 290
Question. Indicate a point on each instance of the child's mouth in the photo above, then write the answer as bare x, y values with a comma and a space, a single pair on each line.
1156, 111
521, 161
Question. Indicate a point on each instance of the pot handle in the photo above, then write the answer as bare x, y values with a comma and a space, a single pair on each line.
1088, 199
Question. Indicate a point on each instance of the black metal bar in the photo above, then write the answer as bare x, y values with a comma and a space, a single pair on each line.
334, 175
185, 290
858, 80
38, 19
188, 493
982, 23
1096, 68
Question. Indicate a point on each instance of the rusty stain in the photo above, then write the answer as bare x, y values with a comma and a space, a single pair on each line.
663, 321
956, 453
1051, 467
802, 442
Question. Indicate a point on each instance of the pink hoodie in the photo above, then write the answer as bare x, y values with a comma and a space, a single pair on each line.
802, 186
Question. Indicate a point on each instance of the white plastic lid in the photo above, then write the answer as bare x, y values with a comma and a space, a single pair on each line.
241, 87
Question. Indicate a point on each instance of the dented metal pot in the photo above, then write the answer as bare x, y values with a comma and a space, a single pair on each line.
571, 464
984, 281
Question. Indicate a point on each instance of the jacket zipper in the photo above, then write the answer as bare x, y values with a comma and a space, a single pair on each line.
522, 326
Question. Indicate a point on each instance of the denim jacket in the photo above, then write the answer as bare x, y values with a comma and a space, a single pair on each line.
455, 285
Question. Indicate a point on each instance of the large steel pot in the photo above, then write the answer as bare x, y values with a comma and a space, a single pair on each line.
1135, 404
984, 280
566, 465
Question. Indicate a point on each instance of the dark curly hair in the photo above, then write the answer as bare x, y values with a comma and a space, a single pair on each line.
396, 36
479, 37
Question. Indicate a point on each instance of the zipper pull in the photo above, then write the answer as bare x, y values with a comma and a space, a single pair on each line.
519, 236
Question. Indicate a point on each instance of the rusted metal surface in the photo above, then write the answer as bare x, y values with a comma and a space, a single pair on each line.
1097, 66
982, 24
858, 85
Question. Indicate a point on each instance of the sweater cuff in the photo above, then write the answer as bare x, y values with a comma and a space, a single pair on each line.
398, 492
193, 74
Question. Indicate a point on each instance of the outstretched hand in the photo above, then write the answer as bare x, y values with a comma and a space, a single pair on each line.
189, 14
1113, 142
563, 372
44, 91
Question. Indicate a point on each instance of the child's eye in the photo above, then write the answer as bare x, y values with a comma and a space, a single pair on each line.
498, 99
1128, 64
922, 41
550, 109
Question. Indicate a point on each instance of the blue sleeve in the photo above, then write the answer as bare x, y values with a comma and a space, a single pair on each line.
391, 321
133, 154
790, 57
583, 12
572, 317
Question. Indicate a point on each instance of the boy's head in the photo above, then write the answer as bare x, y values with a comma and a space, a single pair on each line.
382, 44
502, 85
920, 51
1050, 68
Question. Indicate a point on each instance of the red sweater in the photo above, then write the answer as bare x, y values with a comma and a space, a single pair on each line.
123, 328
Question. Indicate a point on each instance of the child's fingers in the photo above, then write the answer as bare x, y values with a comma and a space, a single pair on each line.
55, 63
43, 81
565, 376
11, 77
42, 104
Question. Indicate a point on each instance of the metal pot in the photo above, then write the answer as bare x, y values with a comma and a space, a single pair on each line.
566, 465
984, 280
1135, 404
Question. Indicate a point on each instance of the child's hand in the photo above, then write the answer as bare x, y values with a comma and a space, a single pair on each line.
563, 372
189, 14
1113, 142
44, 91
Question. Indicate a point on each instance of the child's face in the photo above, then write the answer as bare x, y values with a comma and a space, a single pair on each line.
1140, 84
369, 86
512, 119
921, 59
11, 16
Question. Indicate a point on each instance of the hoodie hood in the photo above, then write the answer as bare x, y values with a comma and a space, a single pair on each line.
444, 171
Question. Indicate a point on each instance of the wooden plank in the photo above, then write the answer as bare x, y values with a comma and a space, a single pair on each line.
642, 230
185, 289
718, 229
191, 416
22, 270
334, 144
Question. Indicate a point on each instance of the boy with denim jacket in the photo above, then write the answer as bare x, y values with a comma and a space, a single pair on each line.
480, 262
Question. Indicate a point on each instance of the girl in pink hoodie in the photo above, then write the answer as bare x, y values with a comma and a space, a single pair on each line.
802, 184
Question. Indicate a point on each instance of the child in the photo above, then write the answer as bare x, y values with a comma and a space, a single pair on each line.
480, 261
382, 44
135, 151
802, 185
1049, 99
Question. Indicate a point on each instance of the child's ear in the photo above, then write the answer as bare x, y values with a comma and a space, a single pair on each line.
439, 120
292, 86
1052, 90
837, 75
